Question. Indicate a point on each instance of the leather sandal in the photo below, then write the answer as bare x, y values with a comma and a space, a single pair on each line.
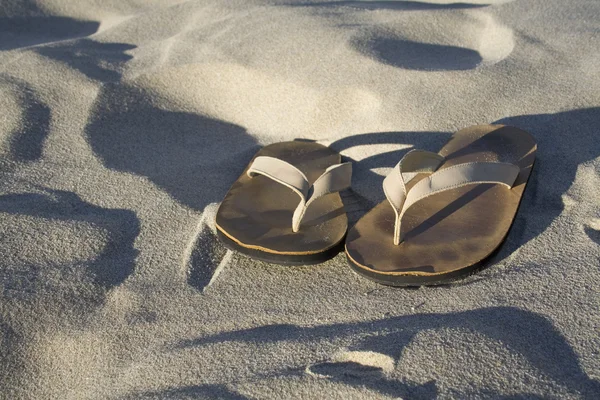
446, 213
285, 208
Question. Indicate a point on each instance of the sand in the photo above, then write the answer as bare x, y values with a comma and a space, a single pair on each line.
123, 123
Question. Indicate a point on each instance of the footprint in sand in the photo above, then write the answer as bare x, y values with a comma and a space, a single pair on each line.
371, 370
459, 39
353, 364
205, 256
592, 229
25, 123
54, 237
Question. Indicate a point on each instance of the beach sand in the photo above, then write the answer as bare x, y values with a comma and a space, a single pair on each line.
123, 124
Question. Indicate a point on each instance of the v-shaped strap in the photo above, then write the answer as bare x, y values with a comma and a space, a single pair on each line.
394, 185
335, 178
445, 179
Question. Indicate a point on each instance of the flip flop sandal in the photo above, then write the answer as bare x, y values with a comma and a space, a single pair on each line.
285, 208
435, 228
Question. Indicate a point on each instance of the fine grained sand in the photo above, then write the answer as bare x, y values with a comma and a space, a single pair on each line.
123, 123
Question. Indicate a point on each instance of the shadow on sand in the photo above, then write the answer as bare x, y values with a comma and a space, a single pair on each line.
116, 261
97, 60
396, 51
17, 32
192, 157
27, 142
418, 56
522, 332
566, 141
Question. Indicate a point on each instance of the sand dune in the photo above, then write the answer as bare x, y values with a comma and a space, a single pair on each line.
123, 124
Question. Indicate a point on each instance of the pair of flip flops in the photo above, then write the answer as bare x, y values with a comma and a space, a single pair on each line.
445, 213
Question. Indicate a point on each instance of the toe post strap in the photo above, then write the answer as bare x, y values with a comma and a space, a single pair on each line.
335, 178
414, 162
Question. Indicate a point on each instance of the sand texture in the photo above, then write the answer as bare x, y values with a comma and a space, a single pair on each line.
124, 122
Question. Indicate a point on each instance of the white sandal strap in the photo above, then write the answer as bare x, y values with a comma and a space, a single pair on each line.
413, 163
451, 178
335, 178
